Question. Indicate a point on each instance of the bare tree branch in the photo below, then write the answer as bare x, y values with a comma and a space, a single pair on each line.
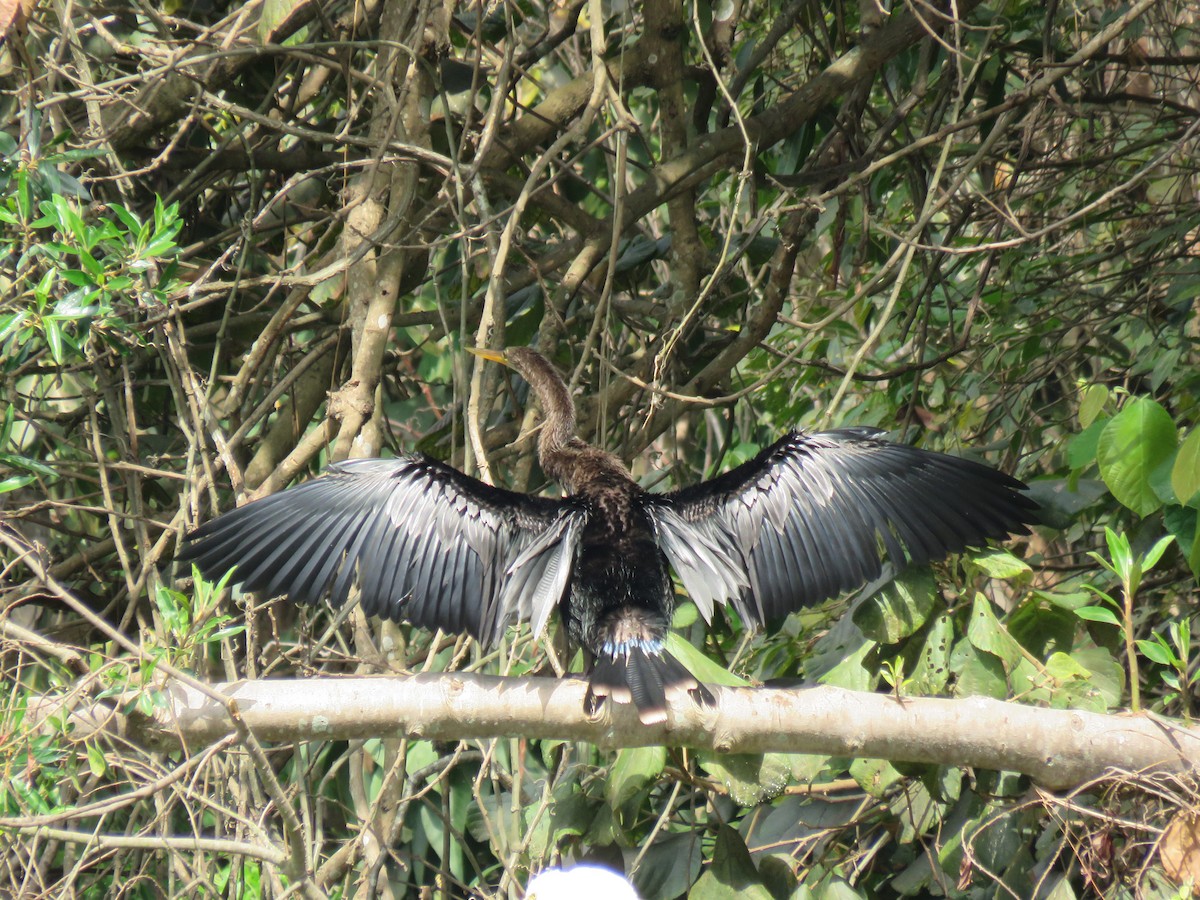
1057, 748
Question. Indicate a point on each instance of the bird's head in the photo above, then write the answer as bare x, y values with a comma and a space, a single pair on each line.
525, 360
500, 356
555, 398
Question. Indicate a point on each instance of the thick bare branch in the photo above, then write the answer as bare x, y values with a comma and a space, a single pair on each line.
1057, 748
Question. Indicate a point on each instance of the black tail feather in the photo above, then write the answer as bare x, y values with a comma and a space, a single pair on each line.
646, 678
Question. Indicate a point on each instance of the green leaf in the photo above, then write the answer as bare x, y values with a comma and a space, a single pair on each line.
1062, 668
6, 428
985, 633
89, 263
174, 609
1001, 564
670, 866
898, 609
1156, 652
131, 222
1098, 614
977, 674
1185, 473
1135, 442
1154, 554
852, 671
1081, 449
24, 195
1119, 552
686, 614
76, 277
1091, 403
875, 776
931, 672
96, 761
13, 482
54, 339
10, 323
750, 778
159, 246
1181, 521
1107, 674
1069, 601
636, 768
732, 875
703, 667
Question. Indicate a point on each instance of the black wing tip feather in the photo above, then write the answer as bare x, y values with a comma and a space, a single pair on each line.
817, 514
424, 542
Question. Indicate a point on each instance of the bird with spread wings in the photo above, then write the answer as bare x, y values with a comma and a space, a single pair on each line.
809, 517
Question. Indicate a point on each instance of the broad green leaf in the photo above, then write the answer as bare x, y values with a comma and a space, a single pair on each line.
700, 665
1071, 600
635, 769
1062, 667
1155, 652
670, 866
686, 614
750, 778
1001, 564
931, 672
1185, 473
987, 634
899, 608
778, 875
977, 674
852, 672
874, 776
1133, 444
1098, 614
1181, 521
1108, 675
1091, 403
274, 13
732, 875
917, 810
1081, 449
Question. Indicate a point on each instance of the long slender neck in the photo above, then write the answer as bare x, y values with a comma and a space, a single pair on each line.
563, 457
558, 409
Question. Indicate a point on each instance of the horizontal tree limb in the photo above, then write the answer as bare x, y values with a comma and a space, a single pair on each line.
1057, 748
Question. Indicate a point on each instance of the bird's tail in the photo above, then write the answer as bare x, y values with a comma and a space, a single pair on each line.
645, 676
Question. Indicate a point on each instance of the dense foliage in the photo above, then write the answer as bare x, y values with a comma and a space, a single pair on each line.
239, 242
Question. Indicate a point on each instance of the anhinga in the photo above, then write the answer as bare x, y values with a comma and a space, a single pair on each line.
811, 516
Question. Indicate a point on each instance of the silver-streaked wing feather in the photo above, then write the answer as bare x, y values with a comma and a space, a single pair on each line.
818, 514
429, 544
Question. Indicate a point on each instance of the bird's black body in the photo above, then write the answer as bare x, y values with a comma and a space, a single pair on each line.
809, 517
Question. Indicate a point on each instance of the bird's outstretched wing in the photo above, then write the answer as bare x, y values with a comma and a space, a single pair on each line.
430, 545
814, 515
